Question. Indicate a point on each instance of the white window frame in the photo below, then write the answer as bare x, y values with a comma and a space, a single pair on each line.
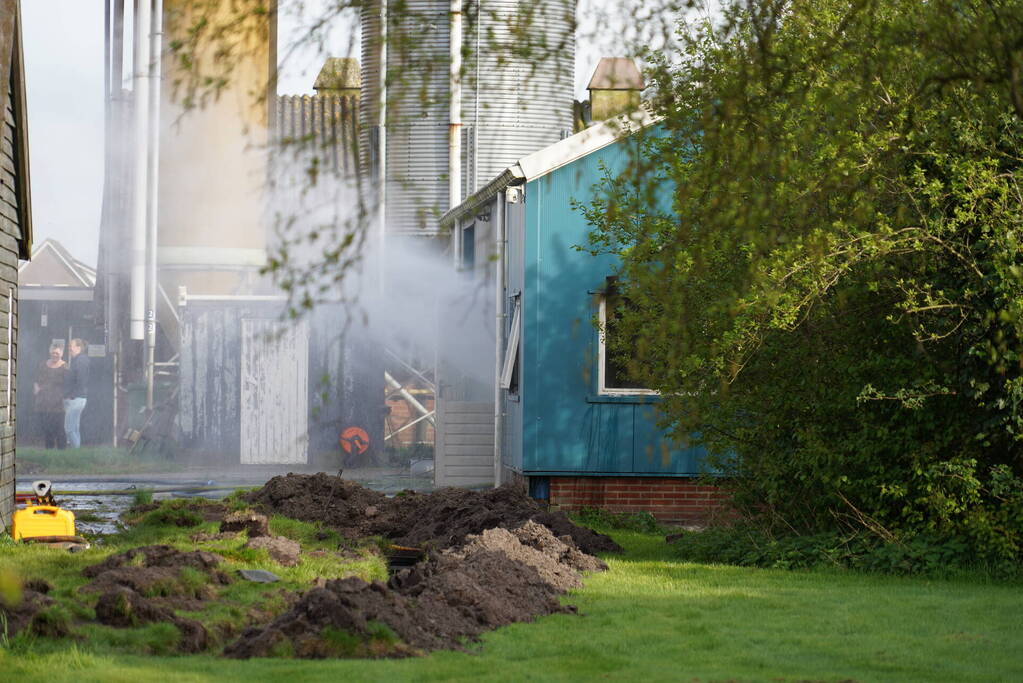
511, 351
602, 388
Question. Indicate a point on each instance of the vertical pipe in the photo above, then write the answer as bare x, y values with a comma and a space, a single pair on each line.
499, 302
117, 384
107, 57
455, 114
117, 49
152, 283
104, 256
117, 279
140, 185
474, 185
382, 144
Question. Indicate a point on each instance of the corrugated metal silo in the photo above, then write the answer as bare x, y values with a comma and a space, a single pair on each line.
523, 102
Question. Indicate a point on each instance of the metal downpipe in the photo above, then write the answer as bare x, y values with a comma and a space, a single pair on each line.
455, 108
140, 184
499, 301
152, 282
382, 149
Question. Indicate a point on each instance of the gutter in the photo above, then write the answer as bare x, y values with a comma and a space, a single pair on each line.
511, 176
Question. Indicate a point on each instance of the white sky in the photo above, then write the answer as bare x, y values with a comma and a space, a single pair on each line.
64, 74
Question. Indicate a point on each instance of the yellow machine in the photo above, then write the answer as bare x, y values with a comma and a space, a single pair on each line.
41, 519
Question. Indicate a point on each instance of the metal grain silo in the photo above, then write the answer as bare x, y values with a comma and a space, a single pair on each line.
515, 89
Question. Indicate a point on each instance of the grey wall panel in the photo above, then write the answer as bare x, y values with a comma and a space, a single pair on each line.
465, 445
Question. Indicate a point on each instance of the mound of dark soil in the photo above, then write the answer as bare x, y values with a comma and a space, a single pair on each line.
495, 578
21, 614
155, 570
156, 556
124, 608
145, 585
438, 520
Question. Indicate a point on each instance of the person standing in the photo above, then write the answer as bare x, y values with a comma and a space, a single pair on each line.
49, 397
75, 391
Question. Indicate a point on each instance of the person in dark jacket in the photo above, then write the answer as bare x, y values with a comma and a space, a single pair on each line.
76, 384
49, 397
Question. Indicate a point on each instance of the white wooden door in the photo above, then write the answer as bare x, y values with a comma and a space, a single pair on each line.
274, 392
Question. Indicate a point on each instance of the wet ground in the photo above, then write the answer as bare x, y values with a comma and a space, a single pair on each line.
99, 501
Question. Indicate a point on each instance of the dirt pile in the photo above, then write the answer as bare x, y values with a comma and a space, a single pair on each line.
493, 579
21, 612
153, 570
124, 608
252, 524
145, 585
437, 520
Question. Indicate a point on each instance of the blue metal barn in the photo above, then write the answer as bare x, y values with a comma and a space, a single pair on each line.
560, 414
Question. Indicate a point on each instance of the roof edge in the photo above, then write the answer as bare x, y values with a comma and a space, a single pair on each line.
20, 107
510, 176
553, 157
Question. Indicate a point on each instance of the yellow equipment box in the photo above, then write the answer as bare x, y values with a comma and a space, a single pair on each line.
42, 520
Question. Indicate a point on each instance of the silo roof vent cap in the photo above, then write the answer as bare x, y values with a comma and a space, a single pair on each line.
339, 73
616, 73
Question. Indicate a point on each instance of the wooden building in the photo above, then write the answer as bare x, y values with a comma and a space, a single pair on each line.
568, 423
15, 232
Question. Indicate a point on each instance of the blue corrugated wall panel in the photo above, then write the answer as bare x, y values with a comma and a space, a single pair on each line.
566, 427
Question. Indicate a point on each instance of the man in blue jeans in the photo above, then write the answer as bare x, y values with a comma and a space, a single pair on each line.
76, 383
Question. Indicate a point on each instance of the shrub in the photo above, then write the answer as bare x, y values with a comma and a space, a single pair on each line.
924, 554
820, 250
142, 497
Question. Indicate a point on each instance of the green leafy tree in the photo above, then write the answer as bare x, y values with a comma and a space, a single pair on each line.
830, 299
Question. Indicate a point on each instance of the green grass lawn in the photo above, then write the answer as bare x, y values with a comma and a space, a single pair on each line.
653, 618
90, 460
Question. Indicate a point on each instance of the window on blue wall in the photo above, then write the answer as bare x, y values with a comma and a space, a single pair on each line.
469, 248
510, 368
612, 375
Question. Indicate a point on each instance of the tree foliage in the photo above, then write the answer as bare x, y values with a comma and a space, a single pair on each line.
832, 299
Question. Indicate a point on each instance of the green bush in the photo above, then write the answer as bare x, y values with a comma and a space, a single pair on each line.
923, 554
820, 247
142, 497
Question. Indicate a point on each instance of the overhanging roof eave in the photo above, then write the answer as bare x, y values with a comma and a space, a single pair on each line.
510, 176
553, 157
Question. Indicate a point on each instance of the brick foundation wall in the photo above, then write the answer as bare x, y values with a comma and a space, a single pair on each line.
669, 500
